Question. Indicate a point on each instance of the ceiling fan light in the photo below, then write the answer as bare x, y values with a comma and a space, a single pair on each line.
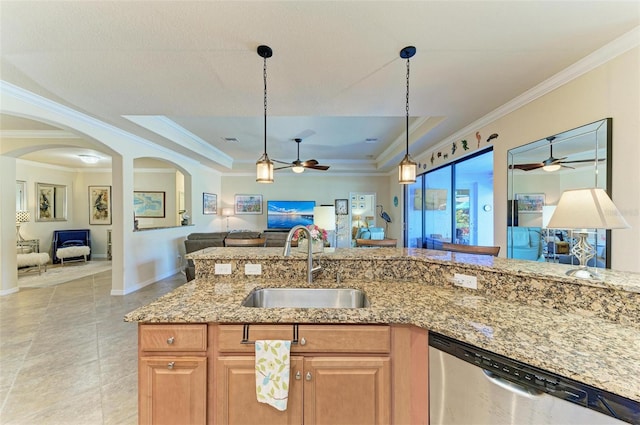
297, 169
264, 170
407, 170
552, 167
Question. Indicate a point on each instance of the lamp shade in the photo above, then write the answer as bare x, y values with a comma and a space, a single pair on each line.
23, 216
227, 212
325, 217
586, 209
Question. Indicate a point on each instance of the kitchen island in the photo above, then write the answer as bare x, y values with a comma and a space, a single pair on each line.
588, 331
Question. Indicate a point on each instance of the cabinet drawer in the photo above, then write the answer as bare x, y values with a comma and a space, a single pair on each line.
173, 337
311, 338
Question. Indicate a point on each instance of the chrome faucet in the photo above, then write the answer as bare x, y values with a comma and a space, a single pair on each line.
287, 250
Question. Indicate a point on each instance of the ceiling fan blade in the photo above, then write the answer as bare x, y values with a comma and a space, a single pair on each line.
282, 168
309, 162
317, 167
578, 161
281, 162
527, 167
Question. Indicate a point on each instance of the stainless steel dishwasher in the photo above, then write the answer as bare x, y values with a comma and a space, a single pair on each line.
470, 386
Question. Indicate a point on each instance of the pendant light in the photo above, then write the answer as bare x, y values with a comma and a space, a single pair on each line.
407, 167
264, 166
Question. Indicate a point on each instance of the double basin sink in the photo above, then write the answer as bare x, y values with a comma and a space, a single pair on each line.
306, 298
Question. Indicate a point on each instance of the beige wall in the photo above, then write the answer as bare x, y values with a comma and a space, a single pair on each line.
611, 90
321, 187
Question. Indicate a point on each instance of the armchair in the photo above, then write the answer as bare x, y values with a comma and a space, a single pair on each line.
525, 243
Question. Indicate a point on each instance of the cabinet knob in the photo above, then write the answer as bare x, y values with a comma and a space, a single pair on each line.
170, 365
298, 375
303, 341
170, 340
308, 376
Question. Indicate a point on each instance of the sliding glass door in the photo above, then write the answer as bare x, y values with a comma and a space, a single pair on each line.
453, 203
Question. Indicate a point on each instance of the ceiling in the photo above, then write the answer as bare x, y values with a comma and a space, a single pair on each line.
185, 75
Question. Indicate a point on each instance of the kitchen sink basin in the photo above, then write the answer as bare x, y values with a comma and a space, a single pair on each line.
306, 298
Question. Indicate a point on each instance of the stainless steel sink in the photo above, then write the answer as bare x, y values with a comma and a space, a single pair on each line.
306, 298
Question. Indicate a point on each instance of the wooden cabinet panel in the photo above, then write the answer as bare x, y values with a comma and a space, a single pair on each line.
172, 337
172, 390
236, 394
347, 390
312, 338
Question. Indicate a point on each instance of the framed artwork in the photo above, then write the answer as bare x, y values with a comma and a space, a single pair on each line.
52, 202
248, 204
342, 206
149, 204
530, 202
99, 204
209, 203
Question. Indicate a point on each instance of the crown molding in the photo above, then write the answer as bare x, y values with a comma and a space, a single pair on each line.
12, 91
38, 134
599, 57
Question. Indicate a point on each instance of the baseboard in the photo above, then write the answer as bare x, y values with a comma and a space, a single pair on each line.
4, 292
147, 282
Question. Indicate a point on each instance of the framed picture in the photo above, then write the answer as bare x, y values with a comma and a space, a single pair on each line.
248, 204
52, 202
209, 203
149, 204
99, 204
530, 202
342, 206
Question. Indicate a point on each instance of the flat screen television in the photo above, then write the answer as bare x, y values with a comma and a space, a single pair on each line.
286, 214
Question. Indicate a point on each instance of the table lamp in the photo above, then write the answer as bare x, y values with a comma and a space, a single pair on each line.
583, 209
21, 217
227, 212
325, 218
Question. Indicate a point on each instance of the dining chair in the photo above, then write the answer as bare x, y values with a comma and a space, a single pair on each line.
377, 242
471, 249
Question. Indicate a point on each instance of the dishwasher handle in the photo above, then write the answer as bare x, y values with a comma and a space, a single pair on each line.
519, 389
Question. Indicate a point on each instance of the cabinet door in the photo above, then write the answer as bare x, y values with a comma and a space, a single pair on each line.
347, 390
172, 390
236, 394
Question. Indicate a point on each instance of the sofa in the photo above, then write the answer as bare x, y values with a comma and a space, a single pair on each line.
198, 241
525, 243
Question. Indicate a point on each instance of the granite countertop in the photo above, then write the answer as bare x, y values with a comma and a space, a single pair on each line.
590, 349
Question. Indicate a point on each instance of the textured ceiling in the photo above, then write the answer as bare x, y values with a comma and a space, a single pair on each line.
186, 75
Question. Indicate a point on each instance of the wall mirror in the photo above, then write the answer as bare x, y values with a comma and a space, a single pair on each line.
21, 195
51, 201
538, 173
362, 212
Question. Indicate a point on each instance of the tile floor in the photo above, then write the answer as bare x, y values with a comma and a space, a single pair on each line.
66, 355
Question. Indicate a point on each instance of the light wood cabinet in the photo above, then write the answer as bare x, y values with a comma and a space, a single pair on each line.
339, 374
172, 390
346, 374
347, 390
236, 394
172, 374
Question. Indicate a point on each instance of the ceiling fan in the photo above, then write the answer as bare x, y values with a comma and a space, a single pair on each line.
551, 163
298, 166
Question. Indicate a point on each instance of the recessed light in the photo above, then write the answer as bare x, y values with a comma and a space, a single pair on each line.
89, 159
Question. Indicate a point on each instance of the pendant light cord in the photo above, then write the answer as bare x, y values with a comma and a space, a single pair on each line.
264, 74
407, 106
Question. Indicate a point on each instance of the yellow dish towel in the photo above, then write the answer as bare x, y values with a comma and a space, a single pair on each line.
272, 372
